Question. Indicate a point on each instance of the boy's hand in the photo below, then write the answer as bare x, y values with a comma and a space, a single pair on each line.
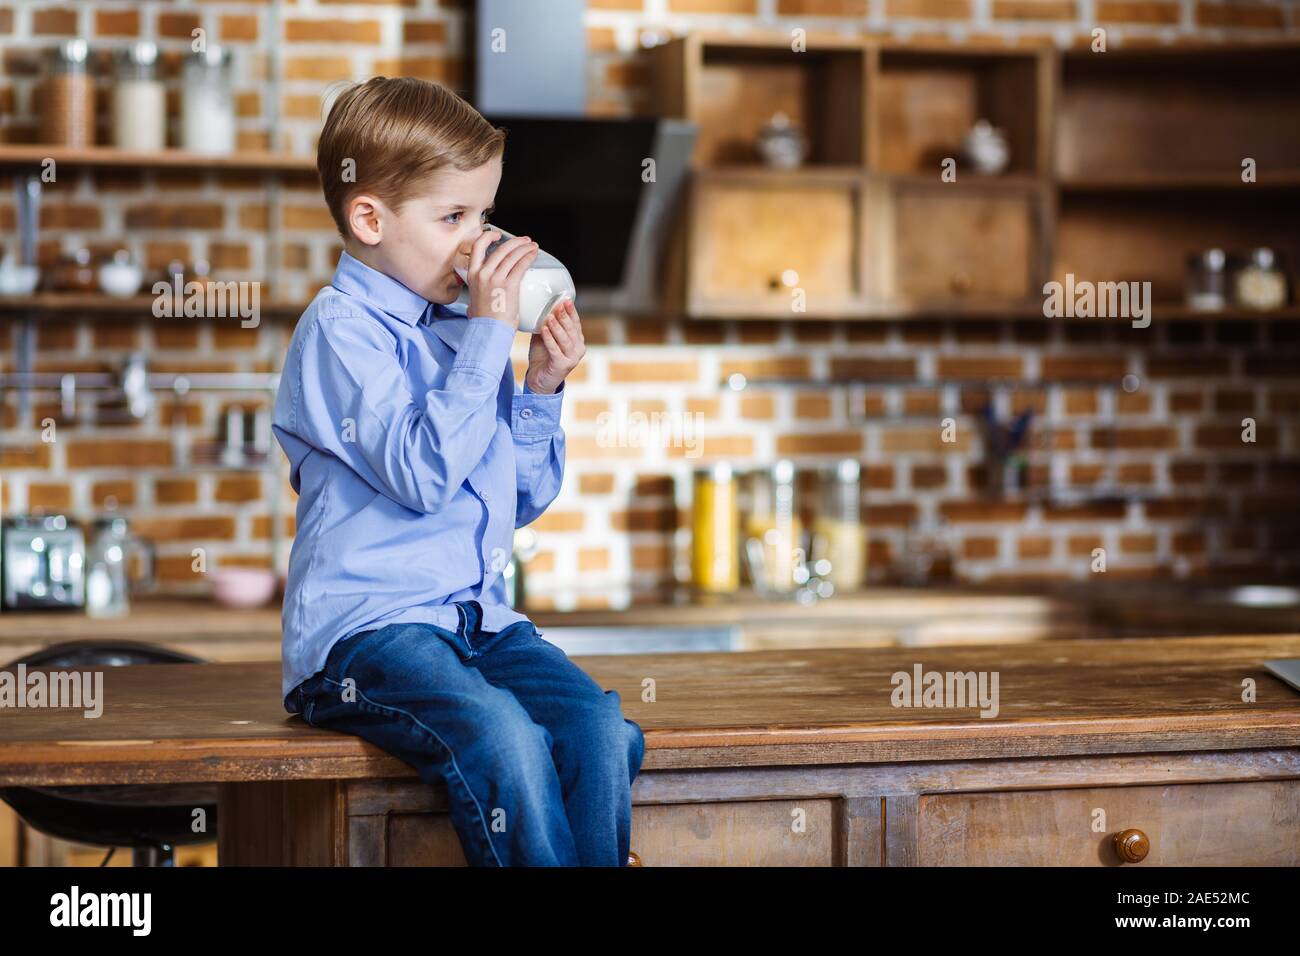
555, 350
494, 283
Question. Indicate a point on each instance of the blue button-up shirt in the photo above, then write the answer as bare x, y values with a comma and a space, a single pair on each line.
415, 457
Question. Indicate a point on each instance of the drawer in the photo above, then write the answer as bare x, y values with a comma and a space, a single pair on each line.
776, 245
1219, 824
737, 833
742, 833
952, 245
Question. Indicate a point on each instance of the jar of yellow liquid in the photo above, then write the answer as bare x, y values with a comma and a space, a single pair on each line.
715, 543
839, 538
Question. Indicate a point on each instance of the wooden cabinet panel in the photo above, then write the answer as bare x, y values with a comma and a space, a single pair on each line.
739, 833
776, 245
1219, 824
750, 833
950, 245
423, 839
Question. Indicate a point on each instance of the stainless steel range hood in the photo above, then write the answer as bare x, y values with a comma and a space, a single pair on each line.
599, 194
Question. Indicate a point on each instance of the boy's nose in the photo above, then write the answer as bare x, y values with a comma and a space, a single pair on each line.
466, 246
471, 236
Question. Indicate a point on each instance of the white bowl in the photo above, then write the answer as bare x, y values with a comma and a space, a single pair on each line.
122, 281
19, 280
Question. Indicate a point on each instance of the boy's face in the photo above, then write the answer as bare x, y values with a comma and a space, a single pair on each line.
420, 245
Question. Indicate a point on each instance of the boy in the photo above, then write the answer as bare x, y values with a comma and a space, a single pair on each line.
416, 456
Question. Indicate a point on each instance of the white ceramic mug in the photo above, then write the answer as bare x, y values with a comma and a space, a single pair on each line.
545, 283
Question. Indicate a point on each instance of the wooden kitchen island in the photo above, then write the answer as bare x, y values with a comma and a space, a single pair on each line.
1134, 752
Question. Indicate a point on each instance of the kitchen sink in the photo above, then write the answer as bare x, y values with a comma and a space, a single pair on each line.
642, 640
1255, 595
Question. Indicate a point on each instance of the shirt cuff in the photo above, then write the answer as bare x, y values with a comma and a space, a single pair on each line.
485, 347
534, 415
529, 391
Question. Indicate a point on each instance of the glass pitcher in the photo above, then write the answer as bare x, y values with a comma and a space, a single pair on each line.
545, 284
107, 584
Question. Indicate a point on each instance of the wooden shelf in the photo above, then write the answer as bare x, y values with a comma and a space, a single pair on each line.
1178, 311
1179, 182
757, 172
1240, 52
106, 157
967, 180
96, 303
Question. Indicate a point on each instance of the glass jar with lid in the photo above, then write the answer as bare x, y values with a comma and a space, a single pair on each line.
773, 531
715, 538
1260, 284
139, 100
68, 96
837, 535
208, 103
1207, 281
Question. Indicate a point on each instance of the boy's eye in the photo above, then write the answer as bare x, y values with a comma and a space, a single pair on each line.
454, 217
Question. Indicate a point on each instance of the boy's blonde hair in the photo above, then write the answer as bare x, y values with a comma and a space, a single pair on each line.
397, 132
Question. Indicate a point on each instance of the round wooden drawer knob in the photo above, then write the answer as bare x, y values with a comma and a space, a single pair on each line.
1132, 845
633, 859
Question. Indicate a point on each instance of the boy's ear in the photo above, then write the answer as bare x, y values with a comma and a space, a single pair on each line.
365, 218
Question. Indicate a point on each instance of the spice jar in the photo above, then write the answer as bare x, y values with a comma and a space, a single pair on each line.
715, 544
68, 96
838, 536
1260, 284
1207, 281
207, 103
139, 100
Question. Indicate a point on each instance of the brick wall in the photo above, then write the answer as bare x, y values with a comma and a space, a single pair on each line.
1202, 500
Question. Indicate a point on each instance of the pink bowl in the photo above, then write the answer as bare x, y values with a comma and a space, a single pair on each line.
244, 587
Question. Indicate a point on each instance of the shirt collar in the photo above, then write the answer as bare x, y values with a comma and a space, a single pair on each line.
449, 322
354, 277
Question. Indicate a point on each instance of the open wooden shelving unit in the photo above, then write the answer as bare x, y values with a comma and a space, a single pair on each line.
1149, 151
31, 159
1122, 164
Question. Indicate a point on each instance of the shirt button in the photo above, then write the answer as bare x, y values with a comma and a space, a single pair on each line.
526, 413
483, 495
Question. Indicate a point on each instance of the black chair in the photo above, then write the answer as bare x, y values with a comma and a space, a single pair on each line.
150, 819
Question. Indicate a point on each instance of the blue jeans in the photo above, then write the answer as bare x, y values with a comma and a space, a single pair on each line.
537, 759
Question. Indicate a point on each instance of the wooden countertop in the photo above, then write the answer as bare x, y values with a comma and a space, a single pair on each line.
931, 615
154, 618
225, 722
